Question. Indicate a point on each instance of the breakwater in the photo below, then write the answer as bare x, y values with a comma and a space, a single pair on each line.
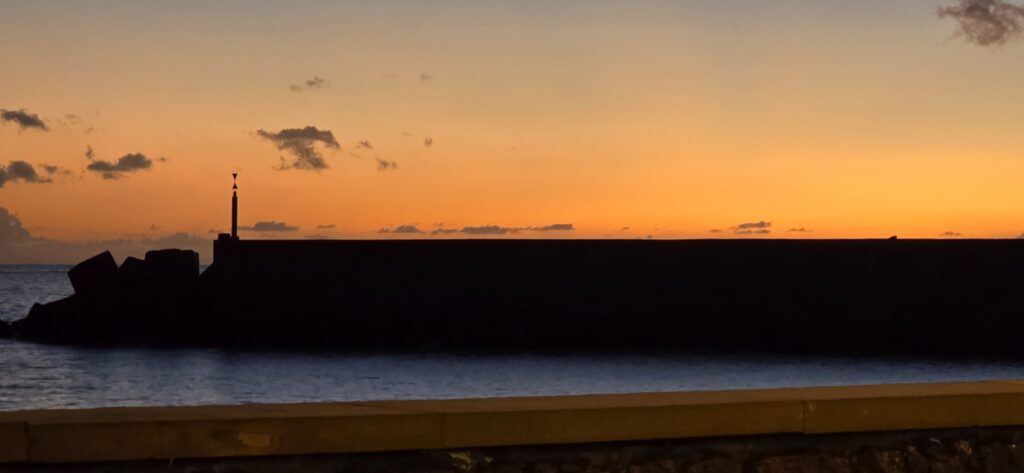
953, 427
920, 297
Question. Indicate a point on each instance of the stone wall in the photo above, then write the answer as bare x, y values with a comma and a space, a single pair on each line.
983, 450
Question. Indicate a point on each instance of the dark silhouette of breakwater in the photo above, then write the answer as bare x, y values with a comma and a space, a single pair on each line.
920, 297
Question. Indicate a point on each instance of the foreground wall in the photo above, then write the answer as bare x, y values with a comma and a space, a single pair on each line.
896, 428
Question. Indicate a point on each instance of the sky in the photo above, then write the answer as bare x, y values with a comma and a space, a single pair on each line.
506, 119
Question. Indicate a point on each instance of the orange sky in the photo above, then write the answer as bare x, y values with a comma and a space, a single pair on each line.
847, 119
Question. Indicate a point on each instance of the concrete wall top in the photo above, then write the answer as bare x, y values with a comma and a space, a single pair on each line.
112, 434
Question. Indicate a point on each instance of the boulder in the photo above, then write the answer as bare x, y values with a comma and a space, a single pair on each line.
172, 266
95, 275
132, 269
5, 330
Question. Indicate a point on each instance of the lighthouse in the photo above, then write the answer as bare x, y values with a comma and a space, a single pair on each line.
234, 206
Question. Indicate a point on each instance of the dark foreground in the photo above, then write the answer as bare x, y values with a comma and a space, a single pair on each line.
920, 297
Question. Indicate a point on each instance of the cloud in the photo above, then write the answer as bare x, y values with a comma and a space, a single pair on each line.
799, 230
269, 226
384, 230
715, 230
428, 141
364, 144
985, 22
11, 230
407, 229
19, 246
443, 231
753, 225
20, 171
760, 231
951, 234
311, 84
89, 154
489, 230
128, 163
424, 77
556, 227
301, 143
23, 119
623, 229
325, 226
384, 165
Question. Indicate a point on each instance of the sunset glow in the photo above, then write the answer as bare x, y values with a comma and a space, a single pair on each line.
578, 119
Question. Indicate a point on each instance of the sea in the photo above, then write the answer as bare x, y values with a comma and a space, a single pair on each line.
34, 375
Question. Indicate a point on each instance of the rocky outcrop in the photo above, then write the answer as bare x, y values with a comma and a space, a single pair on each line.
151, 301
5, 330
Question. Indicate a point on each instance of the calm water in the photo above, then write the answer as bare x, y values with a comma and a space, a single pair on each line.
37, 376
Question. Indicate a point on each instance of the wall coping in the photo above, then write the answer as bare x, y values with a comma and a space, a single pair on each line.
151, 433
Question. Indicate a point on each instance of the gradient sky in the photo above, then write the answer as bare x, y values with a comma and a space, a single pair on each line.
672, 118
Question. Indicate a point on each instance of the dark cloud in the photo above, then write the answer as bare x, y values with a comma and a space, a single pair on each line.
985, 22
325, 226
443, 231
23, 119
554, 228
385, 165
489, 230
624, 229
799, 230
384, 230
364, 144
20, 171
428, 141
311, 84
753, 225
128, 163
269, 226
11, 230
951, 234
407, 229
715, 230
301, 143
89, 154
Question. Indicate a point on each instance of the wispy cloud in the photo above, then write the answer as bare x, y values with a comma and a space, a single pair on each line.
424, 78
385, 165
23, 119
428, 142
799, 230
301, 143
325, 226
269, 226
951, 234
364, 144
311, 84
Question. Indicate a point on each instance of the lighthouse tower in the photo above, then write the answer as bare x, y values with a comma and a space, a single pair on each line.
234, 206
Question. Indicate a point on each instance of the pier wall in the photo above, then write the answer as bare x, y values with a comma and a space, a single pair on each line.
955, 427
847, 296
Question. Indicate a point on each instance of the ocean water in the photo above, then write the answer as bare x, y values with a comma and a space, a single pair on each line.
45, 376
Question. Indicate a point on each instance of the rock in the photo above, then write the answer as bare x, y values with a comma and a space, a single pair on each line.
65, 320
5, 330
172, 266
881, 461
807, 463
95, 275
716, 465
132, 269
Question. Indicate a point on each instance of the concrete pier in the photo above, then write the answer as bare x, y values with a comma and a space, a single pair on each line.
30, 439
